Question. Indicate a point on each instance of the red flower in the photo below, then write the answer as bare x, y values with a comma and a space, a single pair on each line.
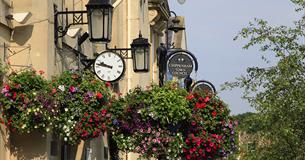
108, 84
7, 87
99, 95
86, 114
104, 111
188, 156
200, 105
85, 133
214, 114
190, 97
14, 95
41, 72
206, 99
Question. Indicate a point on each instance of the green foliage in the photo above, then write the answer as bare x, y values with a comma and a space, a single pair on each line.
277, 92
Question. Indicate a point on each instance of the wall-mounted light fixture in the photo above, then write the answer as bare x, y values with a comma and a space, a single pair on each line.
99, 20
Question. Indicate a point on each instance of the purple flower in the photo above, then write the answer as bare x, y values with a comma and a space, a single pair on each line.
115, 122
90, 94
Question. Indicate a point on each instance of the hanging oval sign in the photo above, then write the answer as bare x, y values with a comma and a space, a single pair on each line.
180, 65
204, 86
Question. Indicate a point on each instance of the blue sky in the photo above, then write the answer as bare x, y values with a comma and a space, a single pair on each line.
211, 26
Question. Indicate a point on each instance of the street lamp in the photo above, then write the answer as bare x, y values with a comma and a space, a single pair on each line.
99, 14
140, 49
175, 26
99, 21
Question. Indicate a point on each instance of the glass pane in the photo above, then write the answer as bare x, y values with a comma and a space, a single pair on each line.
139, 57
97, 24
106, 18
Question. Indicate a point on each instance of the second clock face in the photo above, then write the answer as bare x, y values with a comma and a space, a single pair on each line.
109, 66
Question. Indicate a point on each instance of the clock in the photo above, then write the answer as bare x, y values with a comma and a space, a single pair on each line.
109, 66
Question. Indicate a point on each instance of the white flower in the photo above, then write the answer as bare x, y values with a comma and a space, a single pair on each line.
66, 109
69, 121
35, 126
65, 139
47, 129
23, 126
34, 93
61, 87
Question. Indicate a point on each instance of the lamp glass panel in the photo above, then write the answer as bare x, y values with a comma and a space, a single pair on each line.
140, 58
97, 25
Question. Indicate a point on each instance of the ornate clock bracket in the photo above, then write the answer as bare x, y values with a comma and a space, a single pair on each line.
123, 52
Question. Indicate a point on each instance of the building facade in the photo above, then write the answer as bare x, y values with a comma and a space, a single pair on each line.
27, 41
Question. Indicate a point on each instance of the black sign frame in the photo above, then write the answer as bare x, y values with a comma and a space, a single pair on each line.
174, 52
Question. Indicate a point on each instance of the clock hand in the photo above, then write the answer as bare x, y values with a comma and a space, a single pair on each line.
102, 64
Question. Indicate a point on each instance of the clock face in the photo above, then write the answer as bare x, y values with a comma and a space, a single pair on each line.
109, 66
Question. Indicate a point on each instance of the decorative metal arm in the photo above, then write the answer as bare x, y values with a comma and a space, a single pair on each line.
77, 19
121, 51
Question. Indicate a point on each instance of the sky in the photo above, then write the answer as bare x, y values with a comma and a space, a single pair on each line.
211, 26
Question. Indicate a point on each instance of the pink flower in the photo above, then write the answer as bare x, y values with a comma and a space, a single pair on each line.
41, 72
154, 149
206, 99
208, 149
54, 90
72, 89
154, 140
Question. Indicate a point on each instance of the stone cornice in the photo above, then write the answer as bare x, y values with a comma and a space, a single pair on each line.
159, 14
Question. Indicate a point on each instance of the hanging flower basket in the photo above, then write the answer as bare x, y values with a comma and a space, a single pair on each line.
25, 104
81, 101
168, 123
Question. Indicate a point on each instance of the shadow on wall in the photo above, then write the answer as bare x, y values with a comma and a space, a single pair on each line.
28, 146
21, 34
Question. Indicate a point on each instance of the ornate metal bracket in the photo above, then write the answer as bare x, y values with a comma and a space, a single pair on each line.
121, 51
77, 19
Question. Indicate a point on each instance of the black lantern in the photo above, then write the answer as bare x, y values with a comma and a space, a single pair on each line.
140, 49
174, 25
100, 20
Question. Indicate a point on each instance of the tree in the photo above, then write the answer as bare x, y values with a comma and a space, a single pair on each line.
277, 91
